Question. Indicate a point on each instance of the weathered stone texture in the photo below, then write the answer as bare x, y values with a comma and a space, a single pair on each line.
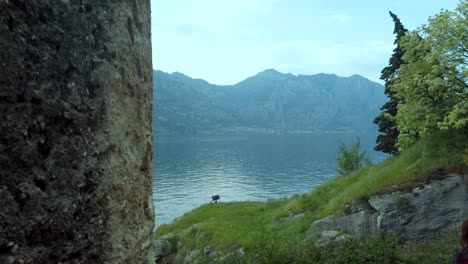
75, 131
423, 212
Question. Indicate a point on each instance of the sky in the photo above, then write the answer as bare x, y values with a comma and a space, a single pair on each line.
226, 41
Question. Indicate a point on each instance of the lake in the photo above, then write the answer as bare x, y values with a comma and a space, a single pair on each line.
187, 172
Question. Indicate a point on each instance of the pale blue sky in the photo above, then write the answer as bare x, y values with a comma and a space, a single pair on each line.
226, 41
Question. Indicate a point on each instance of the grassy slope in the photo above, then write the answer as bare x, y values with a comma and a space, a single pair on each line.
228, 226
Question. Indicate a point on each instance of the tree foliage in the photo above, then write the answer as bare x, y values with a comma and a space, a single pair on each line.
386, 141
351, 159
431, 85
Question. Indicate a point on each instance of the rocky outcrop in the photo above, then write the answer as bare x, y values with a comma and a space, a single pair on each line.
164, 247
289, 218
331, 236
168, 250
75, 131
421, 212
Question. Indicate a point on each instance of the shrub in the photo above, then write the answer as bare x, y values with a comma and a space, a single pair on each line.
351, 159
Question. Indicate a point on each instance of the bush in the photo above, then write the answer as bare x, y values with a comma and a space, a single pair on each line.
350, 160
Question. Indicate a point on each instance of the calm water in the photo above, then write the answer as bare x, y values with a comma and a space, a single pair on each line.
189, 171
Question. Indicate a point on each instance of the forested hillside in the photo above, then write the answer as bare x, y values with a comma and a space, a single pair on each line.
269, 102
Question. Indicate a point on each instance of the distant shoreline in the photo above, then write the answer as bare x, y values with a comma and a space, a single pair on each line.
251, 131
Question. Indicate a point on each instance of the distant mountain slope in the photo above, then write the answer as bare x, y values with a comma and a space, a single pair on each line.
267, 102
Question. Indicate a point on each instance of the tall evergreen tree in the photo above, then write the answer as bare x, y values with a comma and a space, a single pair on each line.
386, 141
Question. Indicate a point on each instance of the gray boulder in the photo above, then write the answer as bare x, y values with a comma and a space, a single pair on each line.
164, 246
192, 256
207, 250
327, 237
213, 254
330, 236
289, 218
421, 212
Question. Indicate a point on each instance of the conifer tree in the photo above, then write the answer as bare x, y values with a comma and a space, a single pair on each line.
386, 120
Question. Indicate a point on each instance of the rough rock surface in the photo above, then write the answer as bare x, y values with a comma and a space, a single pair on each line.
192, 256
75, 131
422, 212
207, 250
164, 247
289, 218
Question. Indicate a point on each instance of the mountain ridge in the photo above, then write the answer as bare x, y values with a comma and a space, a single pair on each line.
268, 102
264, 72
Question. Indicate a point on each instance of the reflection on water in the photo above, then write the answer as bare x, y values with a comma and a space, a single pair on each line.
189, 171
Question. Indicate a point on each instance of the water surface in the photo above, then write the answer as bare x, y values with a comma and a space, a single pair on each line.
256, 168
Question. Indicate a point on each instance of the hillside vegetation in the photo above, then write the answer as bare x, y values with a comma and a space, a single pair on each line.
258, 226
430, 116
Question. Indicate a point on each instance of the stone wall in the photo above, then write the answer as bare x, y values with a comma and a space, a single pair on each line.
75, 131
422, 212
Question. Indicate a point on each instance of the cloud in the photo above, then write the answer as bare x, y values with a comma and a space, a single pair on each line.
217, 41
208, 12
209, 19
339, 18
228, 62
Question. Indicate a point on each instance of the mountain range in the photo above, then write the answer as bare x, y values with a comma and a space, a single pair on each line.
269, 102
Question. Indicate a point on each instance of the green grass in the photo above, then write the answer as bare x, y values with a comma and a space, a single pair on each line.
228, 226
442, 151
378, 249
